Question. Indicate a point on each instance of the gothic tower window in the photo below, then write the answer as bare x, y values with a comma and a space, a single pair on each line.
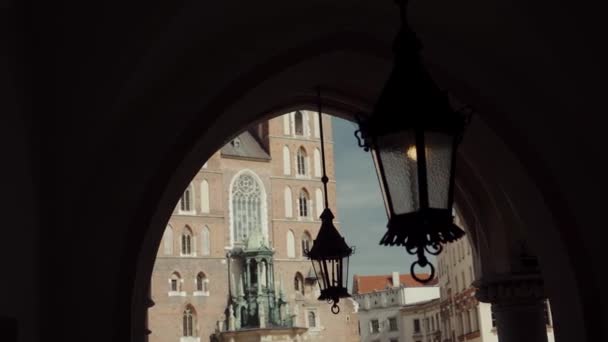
185, 202
205, 196
168, 240
187, 241
188, 321
246, 207
301, 161
299, 123
303, 203
205, 243
288, 202
291, 244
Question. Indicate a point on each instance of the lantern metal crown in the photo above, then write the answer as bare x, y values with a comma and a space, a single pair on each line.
329, 253
413, 134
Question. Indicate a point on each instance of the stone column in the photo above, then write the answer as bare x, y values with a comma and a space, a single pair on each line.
517, 303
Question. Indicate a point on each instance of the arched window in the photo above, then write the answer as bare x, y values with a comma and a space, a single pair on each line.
301, 159
205, 196
299, 123
306, 243
185, 202
205, 242
303, 203
287, 124
317, 160
288, 202
291, 245
187, 241
286, 161
168, 240
175, 282
188, 321
319, 201
202, 283
298, 283
312, 319
246, 206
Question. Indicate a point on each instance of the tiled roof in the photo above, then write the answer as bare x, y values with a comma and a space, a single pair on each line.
365, 284
245, 146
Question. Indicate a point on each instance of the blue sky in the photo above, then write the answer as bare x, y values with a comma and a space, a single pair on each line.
360, 207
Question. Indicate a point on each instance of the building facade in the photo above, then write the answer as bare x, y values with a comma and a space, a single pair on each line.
397, 308
381, 299
231, 264
462, 316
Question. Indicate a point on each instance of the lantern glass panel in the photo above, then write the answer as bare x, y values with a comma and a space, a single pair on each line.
438, 151
396, 153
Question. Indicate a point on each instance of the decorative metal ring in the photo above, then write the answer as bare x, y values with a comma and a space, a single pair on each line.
335, 309
423, 281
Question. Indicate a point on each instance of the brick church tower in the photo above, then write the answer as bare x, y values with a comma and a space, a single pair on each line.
231, 266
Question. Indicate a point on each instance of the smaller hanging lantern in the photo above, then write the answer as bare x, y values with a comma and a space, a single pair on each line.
329, 253
413, 135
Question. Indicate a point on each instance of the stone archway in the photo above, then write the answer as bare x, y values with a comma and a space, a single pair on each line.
502, 204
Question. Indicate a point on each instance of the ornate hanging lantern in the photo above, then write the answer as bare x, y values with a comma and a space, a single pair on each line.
413, 135
329, 253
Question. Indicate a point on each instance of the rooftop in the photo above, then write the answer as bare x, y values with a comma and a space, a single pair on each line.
371, 283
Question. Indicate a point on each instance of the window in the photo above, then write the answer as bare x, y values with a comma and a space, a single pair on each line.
312, 319
291, 245
175, 282
188, 321
286, 124
306, 243
205, 243
168, 241
185, 202
317, 161
288, 202
246, 206
205, 196
299, 123
187, 241
202, 282
298, 283
392, 324
416, 325
374, 326
303, 203
301, 161
427, 325
319, 201
286, 161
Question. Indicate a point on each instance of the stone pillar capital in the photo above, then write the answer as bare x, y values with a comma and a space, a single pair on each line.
510, 288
